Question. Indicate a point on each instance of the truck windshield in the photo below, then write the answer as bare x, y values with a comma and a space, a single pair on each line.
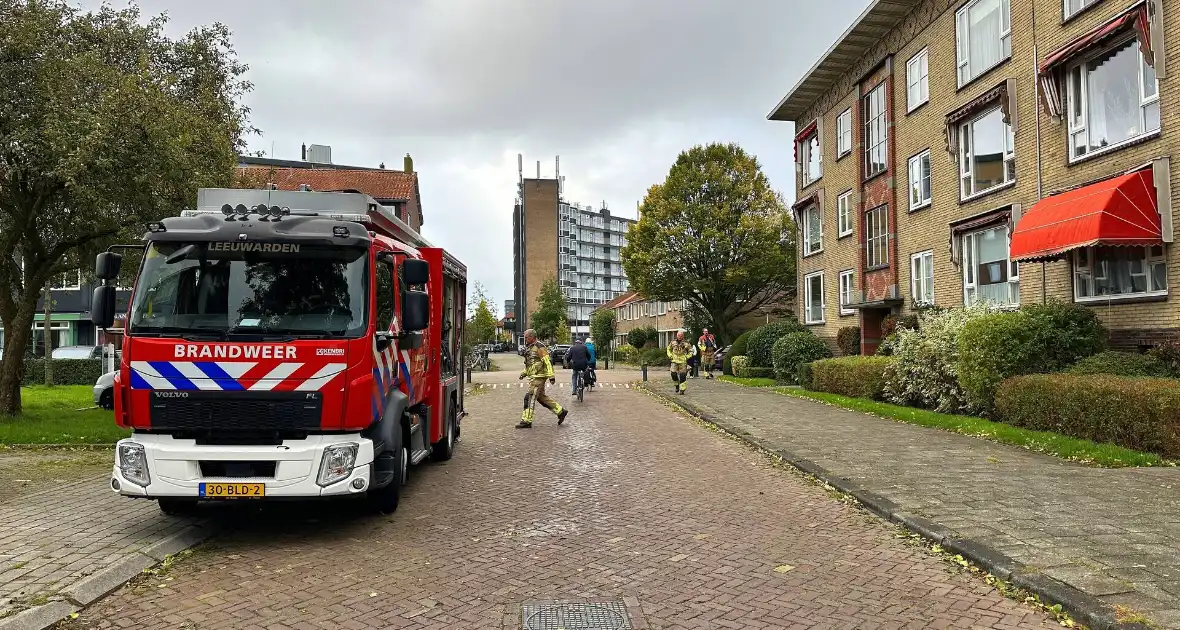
289, 289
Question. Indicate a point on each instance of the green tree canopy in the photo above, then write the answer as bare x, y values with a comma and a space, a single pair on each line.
714, 234
107, 124
551, 313
602, 329
483, 323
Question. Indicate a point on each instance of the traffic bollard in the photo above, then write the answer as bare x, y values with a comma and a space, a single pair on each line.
644, 368
469, 375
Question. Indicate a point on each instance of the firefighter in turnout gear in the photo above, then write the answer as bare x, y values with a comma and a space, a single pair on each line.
707, 344
538, 369
679, 352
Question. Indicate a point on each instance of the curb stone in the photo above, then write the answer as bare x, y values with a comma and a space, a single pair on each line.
1084, 608
101, 583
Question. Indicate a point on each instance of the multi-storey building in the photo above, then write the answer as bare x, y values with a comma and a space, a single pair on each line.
1032, 137
576, 245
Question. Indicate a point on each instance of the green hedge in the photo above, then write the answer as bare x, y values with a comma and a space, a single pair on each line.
657, 357
762, 339
65, 371
1137, 413
755, 372
739, 362
848, 340
1120, 364
794, 349
738, 349
858, 377
803, 375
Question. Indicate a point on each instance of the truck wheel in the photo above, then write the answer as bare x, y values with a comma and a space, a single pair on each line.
445, 448
385, 500
178, 507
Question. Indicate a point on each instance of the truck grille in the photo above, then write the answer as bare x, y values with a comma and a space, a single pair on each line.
232, 412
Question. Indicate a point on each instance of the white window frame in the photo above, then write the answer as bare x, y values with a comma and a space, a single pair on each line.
871, 239
844, 214
917, 80
844, 133
847, 284
805, 158
1076, 84
967, 155
968, 255
879, 140
807, 303
966, 73
65, 278
922, 286
1149, 261
915, 168
1067, 13
808, 249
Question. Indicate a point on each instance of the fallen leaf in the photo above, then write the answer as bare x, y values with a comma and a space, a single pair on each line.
783, 568
701, 536
372, 594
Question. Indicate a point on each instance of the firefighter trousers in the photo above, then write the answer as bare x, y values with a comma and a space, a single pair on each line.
680, 376
536, 394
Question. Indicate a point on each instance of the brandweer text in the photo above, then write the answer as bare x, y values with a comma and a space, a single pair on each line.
193, 351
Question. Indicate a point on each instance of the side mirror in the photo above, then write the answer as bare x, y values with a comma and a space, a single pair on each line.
107, 265
416, 271
102, 306
415, 311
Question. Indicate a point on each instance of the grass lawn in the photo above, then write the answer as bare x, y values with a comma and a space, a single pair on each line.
1065, 447
60, 415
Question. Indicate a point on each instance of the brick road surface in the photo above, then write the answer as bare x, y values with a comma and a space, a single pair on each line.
627, 500
1113, 533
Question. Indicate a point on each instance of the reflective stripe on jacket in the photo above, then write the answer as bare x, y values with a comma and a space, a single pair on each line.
680, 351
537, 363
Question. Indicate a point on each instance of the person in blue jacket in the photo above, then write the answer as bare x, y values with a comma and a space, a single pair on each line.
593, 362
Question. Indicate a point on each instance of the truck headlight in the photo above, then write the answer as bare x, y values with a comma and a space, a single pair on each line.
133, 464
337, 463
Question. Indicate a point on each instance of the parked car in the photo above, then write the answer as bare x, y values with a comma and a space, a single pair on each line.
557, 354
719, 359
104, 391
77, 352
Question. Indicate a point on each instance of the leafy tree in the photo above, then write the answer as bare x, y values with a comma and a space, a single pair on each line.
551, 313
107, 124
637, 337
562, 334
483, 323
714, 234
602, 329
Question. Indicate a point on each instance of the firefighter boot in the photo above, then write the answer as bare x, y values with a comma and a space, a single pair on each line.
683, 384
561, 415
526, 419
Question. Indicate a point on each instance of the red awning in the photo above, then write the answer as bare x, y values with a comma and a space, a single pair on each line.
803, 134
1118, 211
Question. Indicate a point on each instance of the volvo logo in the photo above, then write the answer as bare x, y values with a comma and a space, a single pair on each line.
171, 394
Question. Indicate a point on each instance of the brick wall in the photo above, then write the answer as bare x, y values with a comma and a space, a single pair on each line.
540, 228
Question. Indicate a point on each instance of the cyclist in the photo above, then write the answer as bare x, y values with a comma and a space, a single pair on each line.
593, 373
579, 357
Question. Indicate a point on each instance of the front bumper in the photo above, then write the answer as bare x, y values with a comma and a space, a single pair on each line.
175, 470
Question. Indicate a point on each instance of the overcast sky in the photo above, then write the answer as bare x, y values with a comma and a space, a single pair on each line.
615, 87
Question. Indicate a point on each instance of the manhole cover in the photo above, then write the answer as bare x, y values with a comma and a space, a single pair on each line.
575, 616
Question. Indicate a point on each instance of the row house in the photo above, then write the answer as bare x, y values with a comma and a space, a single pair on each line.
634, 311
944, 157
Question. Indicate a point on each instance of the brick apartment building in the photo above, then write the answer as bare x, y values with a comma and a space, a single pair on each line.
945, 157
634, 311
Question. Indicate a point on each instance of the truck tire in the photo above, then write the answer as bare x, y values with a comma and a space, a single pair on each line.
385, 500
445, 448
178, 507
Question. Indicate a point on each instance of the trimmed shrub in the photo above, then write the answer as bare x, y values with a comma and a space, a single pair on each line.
641, 337
1120, 364
795, 348
892, 323
763, 338
924, 373
65, 371
1137, 413
1168, 352
738, 349
1066, 332
655, 357
626, 353
756, 372
804, 375
739, 362
858, 377
848, 340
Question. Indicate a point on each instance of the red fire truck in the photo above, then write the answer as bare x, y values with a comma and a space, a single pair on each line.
284, 344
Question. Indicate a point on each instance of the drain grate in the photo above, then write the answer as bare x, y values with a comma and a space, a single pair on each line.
608, 615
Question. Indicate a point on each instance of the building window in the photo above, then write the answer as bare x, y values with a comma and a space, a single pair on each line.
875, 133
983, 29
988, 274
813, 230
1112, 98
877, 237
844, 214
814, 298
1074, 6
917, 80
1104, 273
987, 159
844, 133
847, 284
67, 281
811, 157
922, 278
920, 180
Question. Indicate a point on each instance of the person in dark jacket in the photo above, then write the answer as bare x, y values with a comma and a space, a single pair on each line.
579, 356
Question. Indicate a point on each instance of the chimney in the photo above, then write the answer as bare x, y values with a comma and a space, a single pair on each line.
381, 166
303, 154
538, 169
408, 164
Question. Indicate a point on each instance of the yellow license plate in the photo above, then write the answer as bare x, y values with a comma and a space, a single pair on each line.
233, 490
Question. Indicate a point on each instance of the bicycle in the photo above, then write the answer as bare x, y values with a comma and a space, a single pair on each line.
581, 384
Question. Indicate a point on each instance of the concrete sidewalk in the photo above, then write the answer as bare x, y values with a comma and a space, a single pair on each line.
65, 547
1108, 538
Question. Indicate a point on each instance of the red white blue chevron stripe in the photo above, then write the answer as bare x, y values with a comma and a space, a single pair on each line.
235, 376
